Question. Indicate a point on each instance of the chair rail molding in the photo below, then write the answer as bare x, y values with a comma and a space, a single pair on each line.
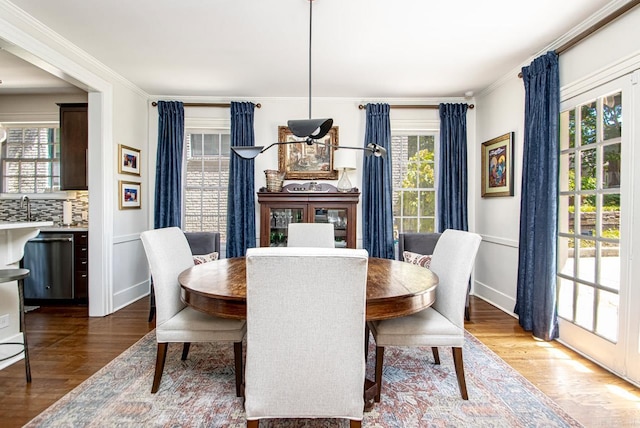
499, 241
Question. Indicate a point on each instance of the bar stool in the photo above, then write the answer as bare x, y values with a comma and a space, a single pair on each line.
7, 275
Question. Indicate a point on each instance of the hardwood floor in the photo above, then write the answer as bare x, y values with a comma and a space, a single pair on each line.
67, 347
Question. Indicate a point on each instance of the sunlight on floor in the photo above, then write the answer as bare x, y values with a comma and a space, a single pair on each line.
562, 355
624, 394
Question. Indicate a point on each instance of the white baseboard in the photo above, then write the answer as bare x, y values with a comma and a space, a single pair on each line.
496, 298
134, 293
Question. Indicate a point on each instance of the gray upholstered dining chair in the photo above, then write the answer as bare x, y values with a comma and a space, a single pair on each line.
169, 254
442, 324
305, 333
420, 243
319, 235
202, 243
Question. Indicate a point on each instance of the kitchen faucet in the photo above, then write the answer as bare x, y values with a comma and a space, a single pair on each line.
26, 199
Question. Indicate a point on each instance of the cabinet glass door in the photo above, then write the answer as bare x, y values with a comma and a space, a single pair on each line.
279, 223
337, 217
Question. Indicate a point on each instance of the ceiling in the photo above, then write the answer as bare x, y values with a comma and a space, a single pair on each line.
20, 77
361, 48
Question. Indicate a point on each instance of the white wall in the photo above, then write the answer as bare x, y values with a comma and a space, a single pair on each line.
496, 220
35, 108
130, 273
609, 53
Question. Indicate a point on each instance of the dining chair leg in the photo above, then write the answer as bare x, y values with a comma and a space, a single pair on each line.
253, 424
436, 355
237, 355
185, 350
457, 361
161, 356
355, 424
467, 309
379, 362
152, 302
366, 341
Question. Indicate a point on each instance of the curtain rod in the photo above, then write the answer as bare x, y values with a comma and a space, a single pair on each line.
416, 106
206, 104
595, 27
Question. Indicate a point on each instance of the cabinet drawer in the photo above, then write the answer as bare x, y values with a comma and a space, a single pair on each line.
81, 238
81, 285
81, 252
81, 264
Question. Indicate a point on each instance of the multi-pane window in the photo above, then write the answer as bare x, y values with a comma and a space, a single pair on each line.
414, 196
206, 179
589, 219
31, 160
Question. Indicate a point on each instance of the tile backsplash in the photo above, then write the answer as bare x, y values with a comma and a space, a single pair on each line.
45, 209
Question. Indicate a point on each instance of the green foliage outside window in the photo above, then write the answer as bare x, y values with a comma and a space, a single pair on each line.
419, 197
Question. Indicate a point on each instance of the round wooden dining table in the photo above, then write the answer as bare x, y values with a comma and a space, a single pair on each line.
394, 288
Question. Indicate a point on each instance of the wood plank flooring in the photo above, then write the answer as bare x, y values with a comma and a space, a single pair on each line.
67, 347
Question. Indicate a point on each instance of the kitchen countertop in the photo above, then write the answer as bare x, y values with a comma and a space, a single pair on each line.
60, 228
6, 225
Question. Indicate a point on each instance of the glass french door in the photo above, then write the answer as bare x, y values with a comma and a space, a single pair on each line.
596, 215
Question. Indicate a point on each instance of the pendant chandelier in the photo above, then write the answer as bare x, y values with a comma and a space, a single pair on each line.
309, 129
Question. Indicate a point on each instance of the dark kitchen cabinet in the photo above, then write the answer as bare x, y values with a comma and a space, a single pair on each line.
74, 139
81, 266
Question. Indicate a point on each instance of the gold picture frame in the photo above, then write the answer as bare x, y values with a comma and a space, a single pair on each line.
300, 160
128, 160
130, 195
497, 166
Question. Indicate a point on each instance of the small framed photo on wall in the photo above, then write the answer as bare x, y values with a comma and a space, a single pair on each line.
129, 195
497, 166
128, 160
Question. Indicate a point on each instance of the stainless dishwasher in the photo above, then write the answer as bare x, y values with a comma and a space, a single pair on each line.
49, 258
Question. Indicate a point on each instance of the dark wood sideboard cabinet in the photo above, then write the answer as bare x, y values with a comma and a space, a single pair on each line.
74, 139
298, 204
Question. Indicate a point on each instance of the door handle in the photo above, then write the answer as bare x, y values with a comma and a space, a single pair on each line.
51, 240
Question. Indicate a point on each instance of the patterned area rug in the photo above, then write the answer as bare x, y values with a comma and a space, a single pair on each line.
201, 392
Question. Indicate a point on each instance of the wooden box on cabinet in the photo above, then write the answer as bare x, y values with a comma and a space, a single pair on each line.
74, 139
296, 203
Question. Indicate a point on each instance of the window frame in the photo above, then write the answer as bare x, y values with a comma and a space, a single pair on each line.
430, 129
57, 194
219, 188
